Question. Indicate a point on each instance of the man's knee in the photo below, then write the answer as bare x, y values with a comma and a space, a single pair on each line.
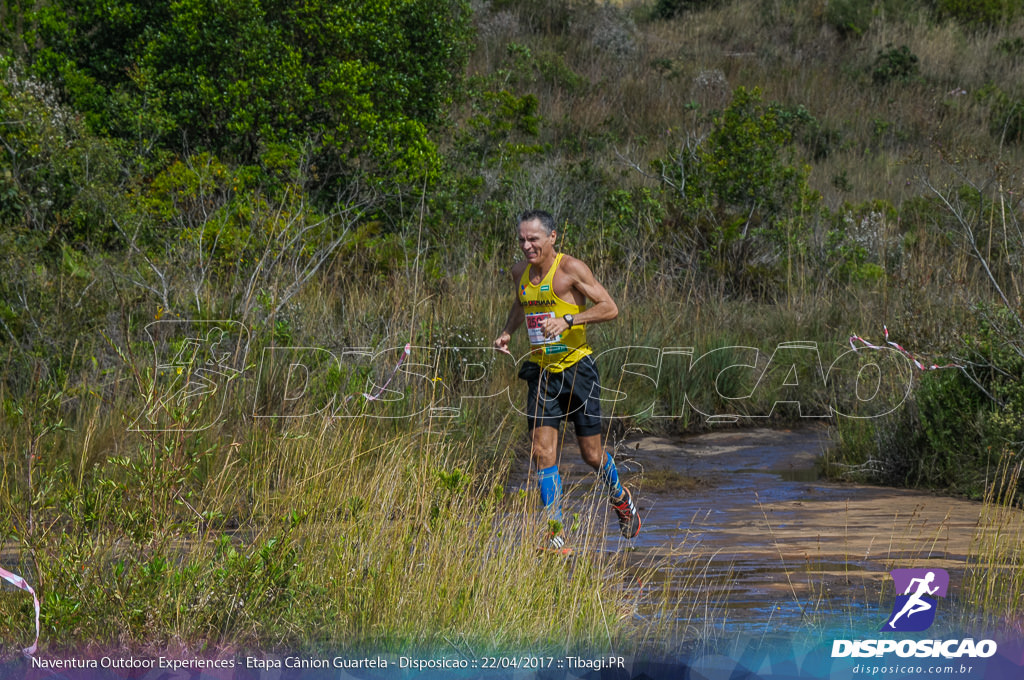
591, 450
544, 448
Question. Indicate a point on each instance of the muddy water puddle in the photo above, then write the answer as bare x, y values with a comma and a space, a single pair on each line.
739, 522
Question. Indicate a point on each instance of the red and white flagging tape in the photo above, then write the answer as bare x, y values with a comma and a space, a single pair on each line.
19, 582
898, 347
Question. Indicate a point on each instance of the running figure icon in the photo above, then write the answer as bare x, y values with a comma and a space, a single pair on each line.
916, 602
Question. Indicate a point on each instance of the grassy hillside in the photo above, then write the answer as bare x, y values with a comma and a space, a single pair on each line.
739, 174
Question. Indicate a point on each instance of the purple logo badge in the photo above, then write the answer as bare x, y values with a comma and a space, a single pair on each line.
916, 593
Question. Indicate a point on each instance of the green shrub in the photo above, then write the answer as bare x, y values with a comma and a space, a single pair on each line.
1006, 118
997, 366
850, 18
56, 178
625, 224
357, 80
746, 156
895, 64
746, 192
1011, 47
856, 245
971, 415
957, 422
951, 412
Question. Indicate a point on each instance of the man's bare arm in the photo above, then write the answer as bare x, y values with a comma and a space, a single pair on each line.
583, 280
515, 319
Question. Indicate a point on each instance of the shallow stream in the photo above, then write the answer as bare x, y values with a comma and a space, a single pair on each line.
740, 523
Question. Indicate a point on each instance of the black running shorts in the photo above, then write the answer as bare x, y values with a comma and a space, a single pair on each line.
572, 394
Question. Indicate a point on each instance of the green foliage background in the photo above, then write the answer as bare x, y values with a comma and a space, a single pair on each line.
360, 83
335, 173
213, 159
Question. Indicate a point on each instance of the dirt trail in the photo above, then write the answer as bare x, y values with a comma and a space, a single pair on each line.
763, 499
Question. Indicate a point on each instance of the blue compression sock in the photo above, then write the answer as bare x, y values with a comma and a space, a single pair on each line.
609, 474
550, 483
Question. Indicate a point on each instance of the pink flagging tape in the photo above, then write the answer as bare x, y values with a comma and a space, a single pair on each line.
19, 582
917, 362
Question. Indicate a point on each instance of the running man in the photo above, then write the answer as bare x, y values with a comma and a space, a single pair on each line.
916, 602
551, 291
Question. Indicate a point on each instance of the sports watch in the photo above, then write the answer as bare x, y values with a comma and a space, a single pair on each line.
568, 319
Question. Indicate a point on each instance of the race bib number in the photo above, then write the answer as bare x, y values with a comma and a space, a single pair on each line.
536, 331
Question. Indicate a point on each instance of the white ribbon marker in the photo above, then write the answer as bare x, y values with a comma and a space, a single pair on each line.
380, 390
19, 582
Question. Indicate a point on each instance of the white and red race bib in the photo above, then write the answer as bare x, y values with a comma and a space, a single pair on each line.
535, 329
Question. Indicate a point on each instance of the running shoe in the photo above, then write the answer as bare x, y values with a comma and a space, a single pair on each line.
555, 545
629, 518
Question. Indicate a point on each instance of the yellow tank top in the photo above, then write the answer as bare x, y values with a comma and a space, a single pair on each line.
540, 302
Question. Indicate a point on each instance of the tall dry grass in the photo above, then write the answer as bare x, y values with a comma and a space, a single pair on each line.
994, 580
224, 531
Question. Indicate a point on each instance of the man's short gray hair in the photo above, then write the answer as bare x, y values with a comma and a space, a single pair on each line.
544, 217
